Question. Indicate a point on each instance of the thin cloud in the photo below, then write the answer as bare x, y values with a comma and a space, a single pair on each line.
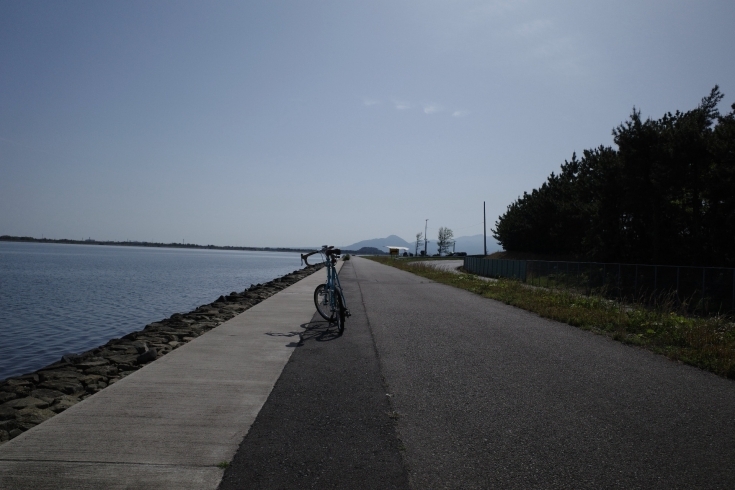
533, 28
542, 45
401, 105
555, 47
494, 9
431, 108
428, 108
562, 54
459, 25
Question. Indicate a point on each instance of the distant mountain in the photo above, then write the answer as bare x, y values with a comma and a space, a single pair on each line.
379, 243
472, 245
366, 251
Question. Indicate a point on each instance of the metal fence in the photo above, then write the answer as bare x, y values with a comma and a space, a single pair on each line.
514, 269
706, 290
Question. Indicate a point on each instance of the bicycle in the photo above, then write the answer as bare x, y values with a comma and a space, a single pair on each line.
329, 297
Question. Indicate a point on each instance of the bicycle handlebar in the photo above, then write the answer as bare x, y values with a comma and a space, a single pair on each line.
306, 256
326, 250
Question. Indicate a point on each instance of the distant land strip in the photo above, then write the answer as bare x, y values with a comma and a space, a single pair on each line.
89, 241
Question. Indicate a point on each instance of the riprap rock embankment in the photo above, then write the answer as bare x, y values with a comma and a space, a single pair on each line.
28, 400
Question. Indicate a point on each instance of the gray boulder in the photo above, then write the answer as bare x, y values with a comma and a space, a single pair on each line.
31, 416
60, 374
5, 396
69, 387
92, 363
46, 395
7, 413
147, 356
21, 403
63, 403
102, 370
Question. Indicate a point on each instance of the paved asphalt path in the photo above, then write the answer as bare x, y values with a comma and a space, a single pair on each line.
328, 422
486, 396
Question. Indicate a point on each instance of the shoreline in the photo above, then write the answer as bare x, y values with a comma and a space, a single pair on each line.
66, 241
30, 399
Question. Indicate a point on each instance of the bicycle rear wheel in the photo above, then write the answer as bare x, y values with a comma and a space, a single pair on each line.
321, 300
341, 314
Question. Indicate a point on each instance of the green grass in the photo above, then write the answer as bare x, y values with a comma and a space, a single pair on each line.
708, 343
223, 465
416, 258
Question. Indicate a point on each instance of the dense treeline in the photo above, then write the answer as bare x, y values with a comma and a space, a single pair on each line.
666, 195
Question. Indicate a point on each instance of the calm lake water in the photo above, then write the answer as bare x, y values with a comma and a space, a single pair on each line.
57, 299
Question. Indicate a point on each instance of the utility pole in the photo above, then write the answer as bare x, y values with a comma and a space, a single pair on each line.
484, 226
426, 241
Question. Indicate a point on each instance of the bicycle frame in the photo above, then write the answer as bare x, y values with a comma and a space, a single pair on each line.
332, 285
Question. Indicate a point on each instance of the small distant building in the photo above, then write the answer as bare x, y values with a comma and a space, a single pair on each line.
395, 251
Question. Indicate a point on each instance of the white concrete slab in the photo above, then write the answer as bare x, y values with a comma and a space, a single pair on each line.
170, 423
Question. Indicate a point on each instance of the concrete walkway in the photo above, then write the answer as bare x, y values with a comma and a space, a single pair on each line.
169, 424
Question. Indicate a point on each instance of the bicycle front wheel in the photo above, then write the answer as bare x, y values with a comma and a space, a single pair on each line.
321, 300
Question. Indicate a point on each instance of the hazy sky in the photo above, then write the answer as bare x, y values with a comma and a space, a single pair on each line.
288, 123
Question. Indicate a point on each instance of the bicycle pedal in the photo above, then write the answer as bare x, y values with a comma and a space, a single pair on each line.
347, 313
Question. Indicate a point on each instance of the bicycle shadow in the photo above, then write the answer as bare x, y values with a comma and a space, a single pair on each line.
319, 331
